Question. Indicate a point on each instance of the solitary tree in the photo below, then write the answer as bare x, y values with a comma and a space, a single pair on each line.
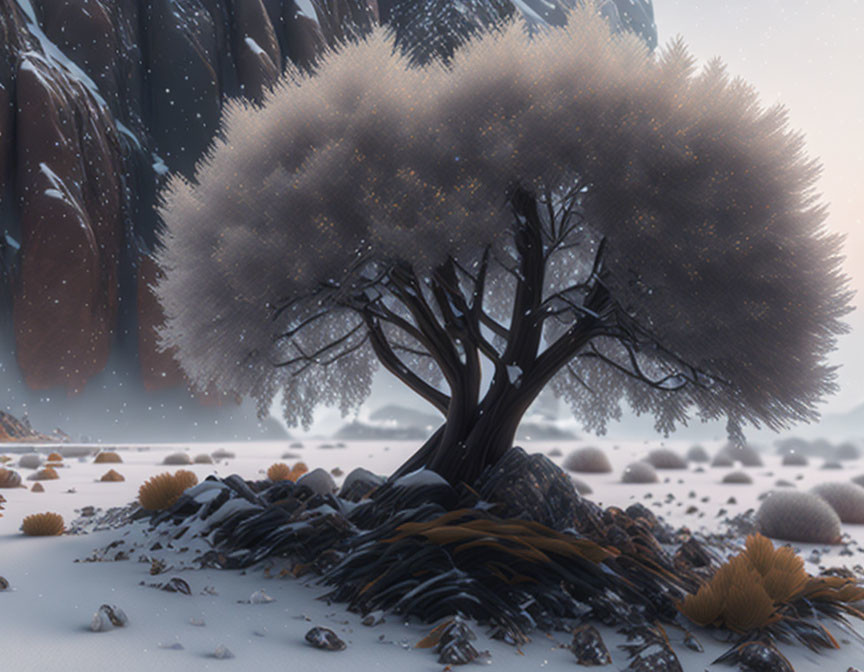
572, 209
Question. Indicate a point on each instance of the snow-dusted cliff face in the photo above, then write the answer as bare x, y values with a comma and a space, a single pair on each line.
100, 99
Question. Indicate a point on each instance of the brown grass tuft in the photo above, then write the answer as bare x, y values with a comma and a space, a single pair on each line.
107, 457
43, 525
37, 487
9, 478
112, 476
163, 490
298, 470
55, 457
46, 474
280, 472
758, 587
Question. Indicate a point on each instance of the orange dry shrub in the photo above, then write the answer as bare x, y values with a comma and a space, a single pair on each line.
46, 474
43, 525
755, 589
299, 469
55, 457
107, 457
112, 476
279, 472
162, 491
282, 472
9, 478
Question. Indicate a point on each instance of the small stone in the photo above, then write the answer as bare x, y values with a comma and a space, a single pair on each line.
692, 643
222, 652
762, 657
100, 622
260, 597
373, 618
589, 648
656, 657
116, 616
4, 584
325, 639
176, 585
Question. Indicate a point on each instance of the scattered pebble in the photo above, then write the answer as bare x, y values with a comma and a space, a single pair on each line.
373, 618
260, 597
222, 653
325, 639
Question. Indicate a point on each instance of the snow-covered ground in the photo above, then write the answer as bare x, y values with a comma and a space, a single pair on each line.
45, 614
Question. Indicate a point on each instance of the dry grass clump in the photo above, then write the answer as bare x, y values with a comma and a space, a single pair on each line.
282, 472
162, 491
639, 472
177, 459
588, 460
222, 454
203, 458
111, 476
9, 478
798, 516
738, 477
279, 472
794, 460
37, 487
847, 499
663, 458
43, 525
107, 457
55, 457
760, 587
46, 474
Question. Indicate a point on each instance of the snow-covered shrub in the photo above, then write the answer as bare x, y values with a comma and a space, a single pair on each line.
794, 460
639, 472
588, 460
663, 458
847, 499
177, 458
697, 454
798, 516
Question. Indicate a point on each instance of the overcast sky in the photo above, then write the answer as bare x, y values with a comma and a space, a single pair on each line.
808, 56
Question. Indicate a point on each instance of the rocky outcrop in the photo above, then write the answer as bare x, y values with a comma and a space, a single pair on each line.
101, 99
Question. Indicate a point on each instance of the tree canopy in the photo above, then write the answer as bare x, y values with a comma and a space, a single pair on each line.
569, 206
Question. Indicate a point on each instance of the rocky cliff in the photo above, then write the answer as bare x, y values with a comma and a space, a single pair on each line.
101, 99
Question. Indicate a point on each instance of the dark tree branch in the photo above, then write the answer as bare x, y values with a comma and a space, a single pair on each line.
397, 367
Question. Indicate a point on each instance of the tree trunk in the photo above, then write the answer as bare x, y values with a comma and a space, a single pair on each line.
463, 446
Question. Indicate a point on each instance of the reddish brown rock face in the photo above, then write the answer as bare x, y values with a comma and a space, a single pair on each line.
68, 188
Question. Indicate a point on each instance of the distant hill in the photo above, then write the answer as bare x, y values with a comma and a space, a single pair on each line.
403, 416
